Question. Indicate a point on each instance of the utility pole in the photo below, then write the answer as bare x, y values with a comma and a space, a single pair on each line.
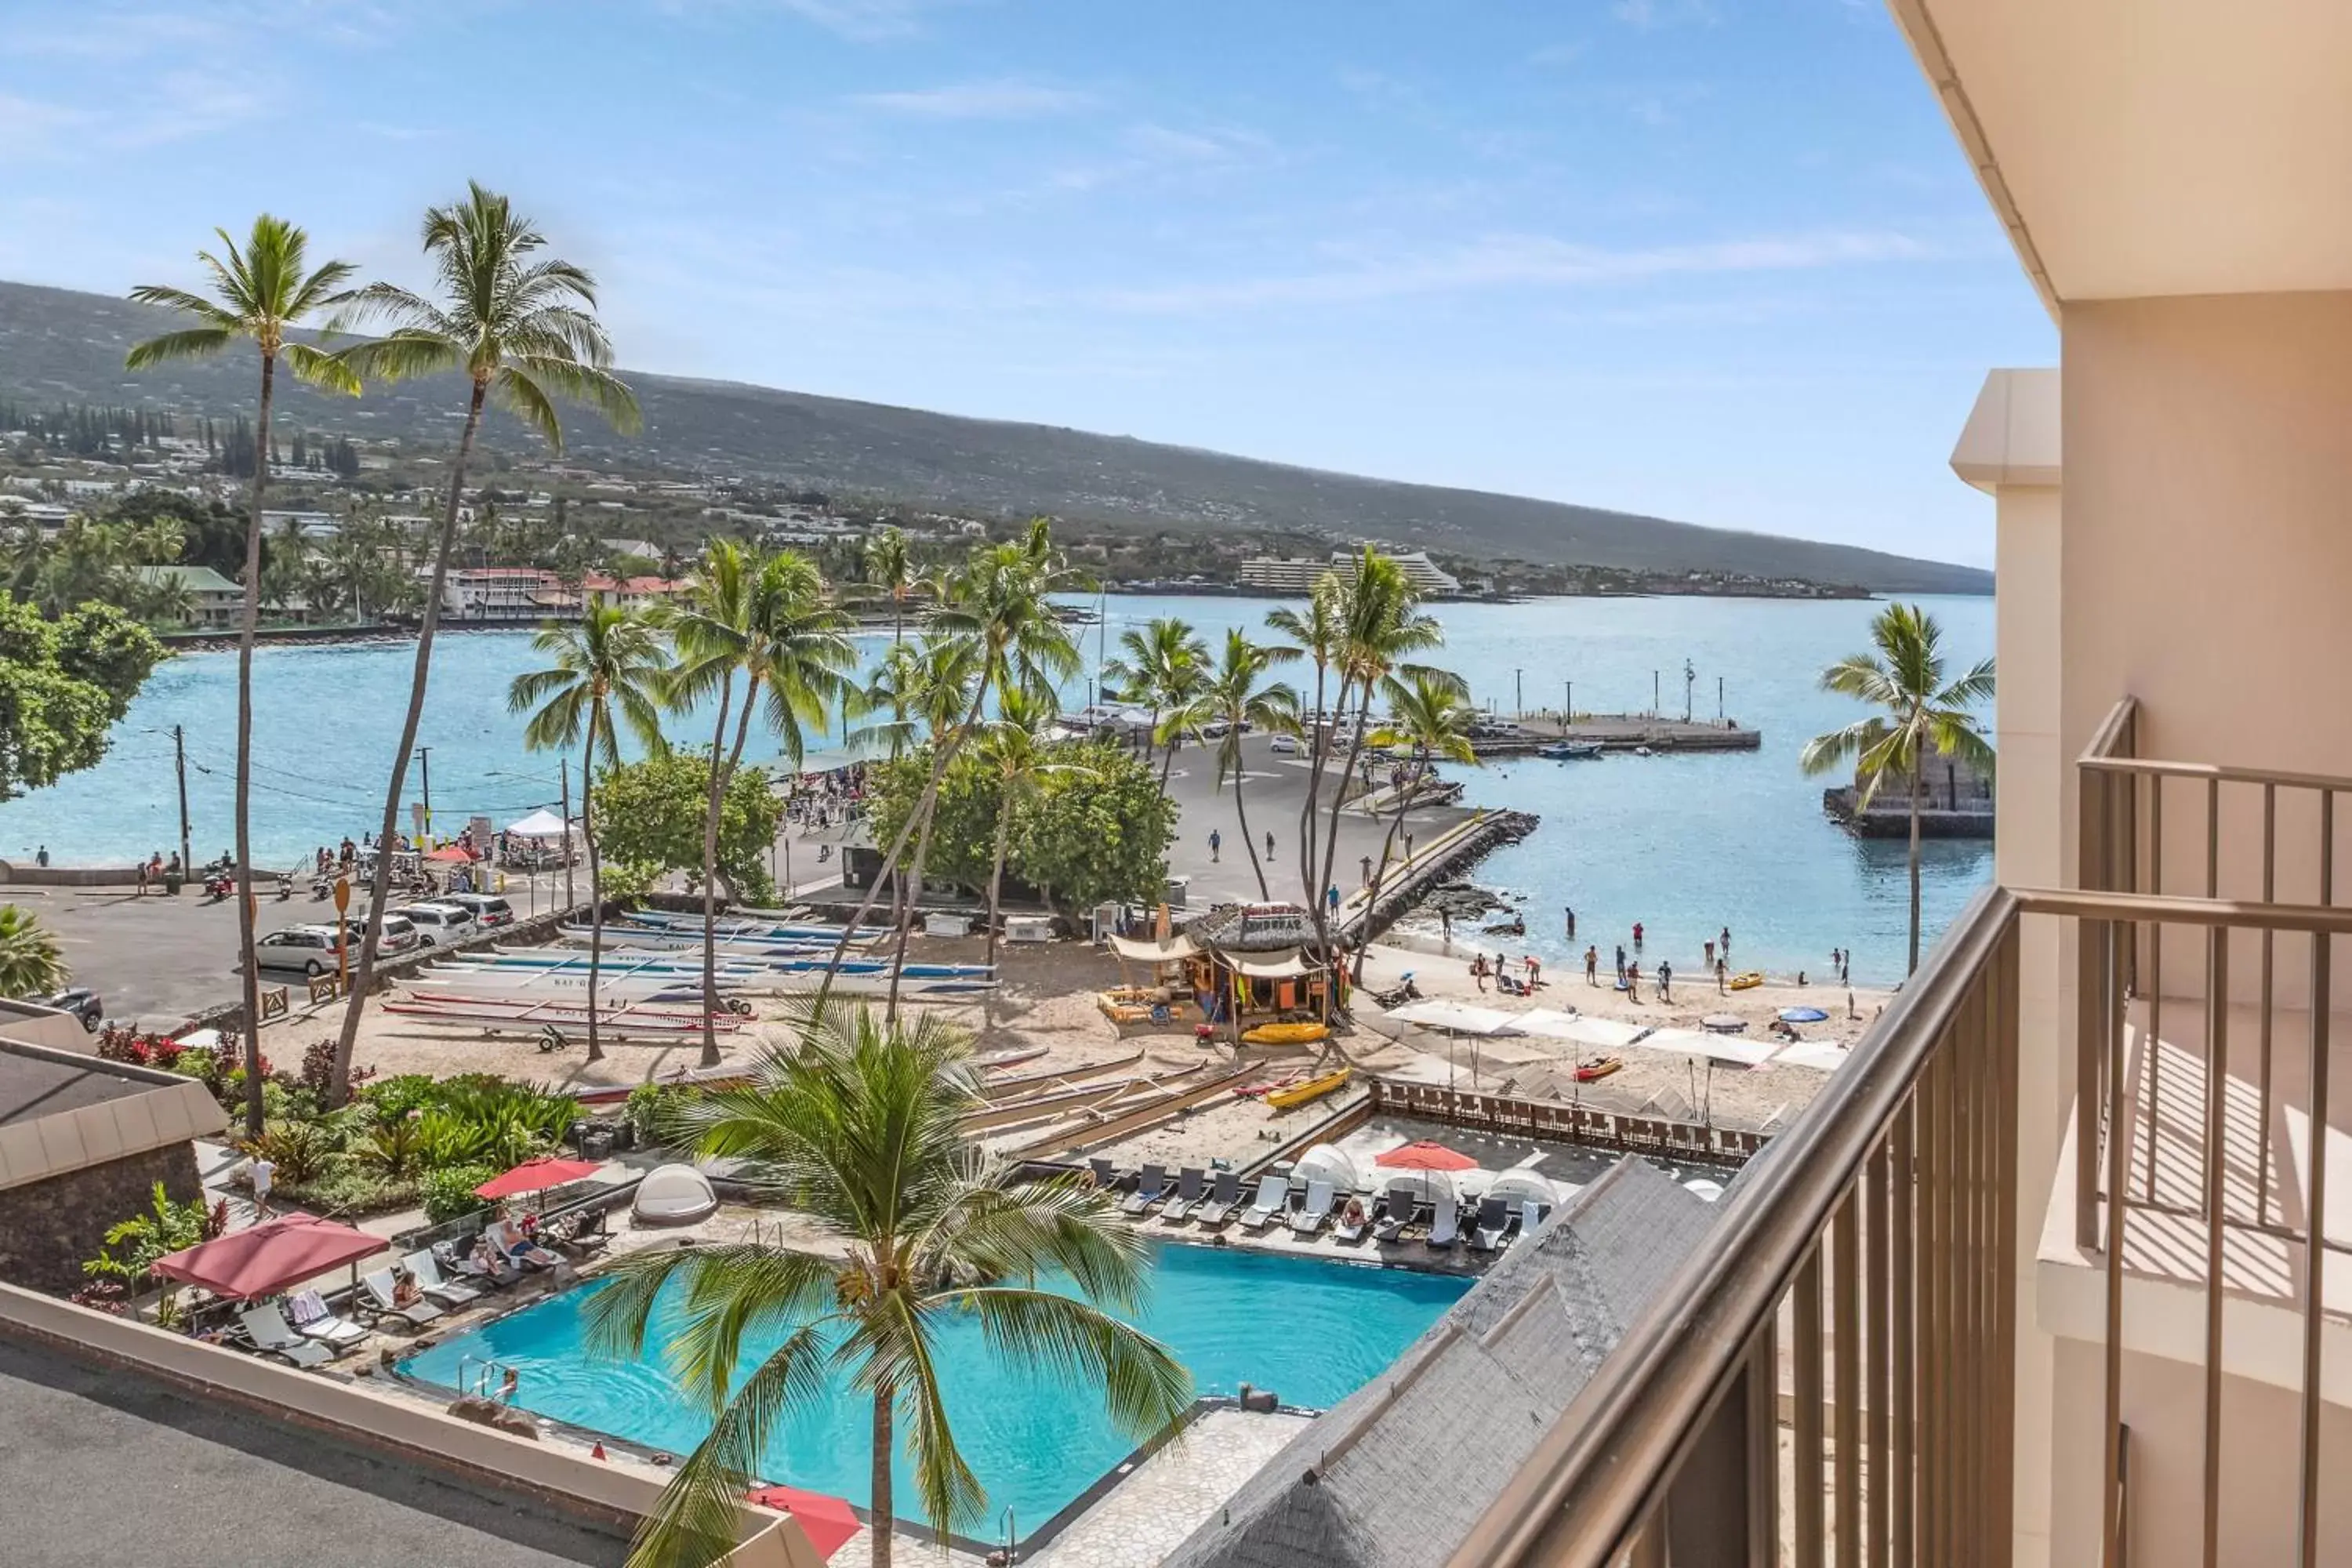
1519, 694
1690, 677
1567, 714
425, 761
565, 764
1718, 699
180, 765
1653, 693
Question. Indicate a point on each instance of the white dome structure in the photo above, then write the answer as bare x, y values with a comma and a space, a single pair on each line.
1328, 1163
1523, 1186
674, 1195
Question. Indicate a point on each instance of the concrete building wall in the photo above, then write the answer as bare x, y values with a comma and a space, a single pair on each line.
49, 1227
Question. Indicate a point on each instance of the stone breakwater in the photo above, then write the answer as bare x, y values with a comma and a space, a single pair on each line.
1439, 864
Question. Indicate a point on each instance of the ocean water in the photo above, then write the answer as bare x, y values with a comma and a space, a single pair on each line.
1311, 1331
1686, 845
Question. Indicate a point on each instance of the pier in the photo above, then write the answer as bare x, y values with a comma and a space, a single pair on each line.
1624, 733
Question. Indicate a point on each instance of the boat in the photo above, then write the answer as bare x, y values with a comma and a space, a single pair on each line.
1300, 1093
1747, 982
1570, 750
1296, 1033
759, 924
505, 1016
989, 1061
1586, 1072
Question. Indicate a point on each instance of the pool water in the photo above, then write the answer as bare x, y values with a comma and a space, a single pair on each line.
1311, 1331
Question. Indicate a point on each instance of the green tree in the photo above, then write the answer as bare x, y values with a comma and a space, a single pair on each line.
1429, 719
1097, 831
649, 817
1919, 712
30, 962
609, 669
133, 1244
861, 1128
1318, 634
261, 293
1238, 697
1015, 750
523, 330
1162, 665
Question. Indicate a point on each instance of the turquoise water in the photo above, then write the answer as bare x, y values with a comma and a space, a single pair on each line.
1311, 1331
1686, 845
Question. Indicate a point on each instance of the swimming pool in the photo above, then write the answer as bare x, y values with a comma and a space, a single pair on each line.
1313, 1332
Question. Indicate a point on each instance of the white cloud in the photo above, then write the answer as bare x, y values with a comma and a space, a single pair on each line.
1509, 261
863, 21
1006, 99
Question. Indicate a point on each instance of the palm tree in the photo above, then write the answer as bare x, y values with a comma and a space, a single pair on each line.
521, 330
1013, 748
768, 619
1317, 633
30, 964
1160, 665
609, 664
1429, 718
860, 1127
889, 568
1238, 697
262, 291
1905, 677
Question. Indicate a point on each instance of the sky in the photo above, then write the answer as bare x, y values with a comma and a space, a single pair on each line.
1716, 261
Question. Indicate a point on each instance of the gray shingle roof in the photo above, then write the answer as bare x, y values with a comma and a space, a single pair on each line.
1395, 1475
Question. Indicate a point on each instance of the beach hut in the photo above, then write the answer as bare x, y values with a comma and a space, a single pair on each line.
1258, 961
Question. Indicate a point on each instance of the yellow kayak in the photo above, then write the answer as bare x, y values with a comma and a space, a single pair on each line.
1300, 1093
1299, 1034
1747, 982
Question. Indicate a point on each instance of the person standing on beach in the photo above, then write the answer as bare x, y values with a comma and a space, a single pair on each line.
1478, 973
1592, 966
1269, 846
1571, 922
1724, 941
1665, 981
1710, 952
1632, 979
1722, 977
1445, 926
1216, 843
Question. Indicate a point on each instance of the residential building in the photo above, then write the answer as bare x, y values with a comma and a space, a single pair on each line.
2054, 1270
634, 592
496, 593
1281, 575
212, 599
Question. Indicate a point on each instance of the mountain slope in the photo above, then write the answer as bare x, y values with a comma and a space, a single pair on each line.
56, 344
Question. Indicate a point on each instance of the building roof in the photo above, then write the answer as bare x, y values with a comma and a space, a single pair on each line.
1397, 1473
195, 579
64, 1110
50, 1083
105, 1463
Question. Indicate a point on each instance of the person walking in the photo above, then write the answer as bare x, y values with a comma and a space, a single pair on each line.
1216, 843
142, 880
1331, 897
1722, 978
1710, 952
1724, 942
1445, 927
41, 857
261, 1170
1367, 864
1592, 966
1408, 849
1269, 846
1665, 981
1571, 922
1478, 973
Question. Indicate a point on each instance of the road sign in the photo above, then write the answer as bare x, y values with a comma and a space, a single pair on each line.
343, 895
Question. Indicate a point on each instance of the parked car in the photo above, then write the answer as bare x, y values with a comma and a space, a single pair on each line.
81, 1002
438, 923
399, 933
1285, 745
313, 950
488, 910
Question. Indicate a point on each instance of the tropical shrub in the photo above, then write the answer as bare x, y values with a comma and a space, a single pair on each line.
449, 1194
319, 1068
299, 1149
349, 1187
397, 1096
651, 1107
395, 1150
133, 1244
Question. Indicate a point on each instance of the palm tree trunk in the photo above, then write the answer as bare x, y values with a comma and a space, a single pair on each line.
380, 886
1248, 842
1332, 840
996, 867
248, 622
1166, 762
906, 926
1914, 869
885, 1446
595, 882
710, 878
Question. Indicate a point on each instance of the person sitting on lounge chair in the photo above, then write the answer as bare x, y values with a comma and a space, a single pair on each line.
516, 1248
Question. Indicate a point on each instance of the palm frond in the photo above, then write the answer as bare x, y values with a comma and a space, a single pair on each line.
1145, 1388
194, 342
320, 369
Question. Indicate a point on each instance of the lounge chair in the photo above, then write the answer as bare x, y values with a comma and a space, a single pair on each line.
1223, 1194
1400, 1202
382, 1300
1531, 1217
1447, 1229
312, 1320
445, 1292
1106, 1174
1149, 1188
1191, 1185
496, 1275
270, 1334
1354, 1218
1494, 1220
1315, 1211
1273, 1197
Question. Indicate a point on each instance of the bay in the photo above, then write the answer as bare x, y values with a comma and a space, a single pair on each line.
1686, 845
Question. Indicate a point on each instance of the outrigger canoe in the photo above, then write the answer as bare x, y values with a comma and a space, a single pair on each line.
1304, 1032
1598, 1069
1300, 1093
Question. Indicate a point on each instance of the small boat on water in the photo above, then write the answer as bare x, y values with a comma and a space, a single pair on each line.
1747, 982
1570, 750
1313, 1088
1298, 1032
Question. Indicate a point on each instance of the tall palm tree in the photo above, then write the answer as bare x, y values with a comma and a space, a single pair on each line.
1160, 665
768, 619
1317, 633
1015, 751
261, 292
609, 669
889, 568
523, 330
1239, 697
860, 1127
1903, 678
30, 962
1429, 719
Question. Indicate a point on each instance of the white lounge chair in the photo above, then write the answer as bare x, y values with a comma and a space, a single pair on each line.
447, 1292
1149, 1188
1447, 1229
1315, 1211
1192, 1183
383, 1299
313, 1320
267, 1326
1273, 1197
1222, 1196
1531, 1218
1493, 1222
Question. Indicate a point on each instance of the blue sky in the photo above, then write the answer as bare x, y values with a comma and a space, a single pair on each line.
1716, 259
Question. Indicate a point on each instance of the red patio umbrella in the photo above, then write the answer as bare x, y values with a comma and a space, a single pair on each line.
454, 853
263, 1259
1425, 1156
537, 1175
827, 1522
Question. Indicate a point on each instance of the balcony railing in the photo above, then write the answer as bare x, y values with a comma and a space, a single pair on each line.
1833, 1379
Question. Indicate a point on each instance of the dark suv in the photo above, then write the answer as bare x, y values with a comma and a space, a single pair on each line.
83, 1003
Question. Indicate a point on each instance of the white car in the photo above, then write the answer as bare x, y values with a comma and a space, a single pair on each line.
438, 923
487, 908
313, 950
398, 933
1285, 746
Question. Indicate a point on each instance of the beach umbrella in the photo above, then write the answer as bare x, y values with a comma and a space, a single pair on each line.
1424, 1156
538, 1175
1802, 1015
827, 1522
454, 854
263, 1259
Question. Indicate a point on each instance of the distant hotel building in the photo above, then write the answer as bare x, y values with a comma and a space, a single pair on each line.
1280, 574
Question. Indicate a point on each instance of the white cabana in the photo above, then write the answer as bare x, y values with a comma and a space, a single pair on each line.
1457, 1017
539, 824
1810, 1054
1328, 1163
1714, 1047
1520, 1185
1426, 1186
675, 1194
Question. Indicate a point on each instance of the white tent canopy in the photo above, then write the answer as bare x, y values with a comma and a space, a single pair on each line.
539, 824
1827, 1057
1520, 1185
1168, 950
1605, 1033
1457, 1017
1718, 1048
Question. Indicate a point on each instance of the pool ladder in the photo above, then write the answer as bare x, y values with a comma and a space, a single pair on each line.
493, 1374
1012, 1533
